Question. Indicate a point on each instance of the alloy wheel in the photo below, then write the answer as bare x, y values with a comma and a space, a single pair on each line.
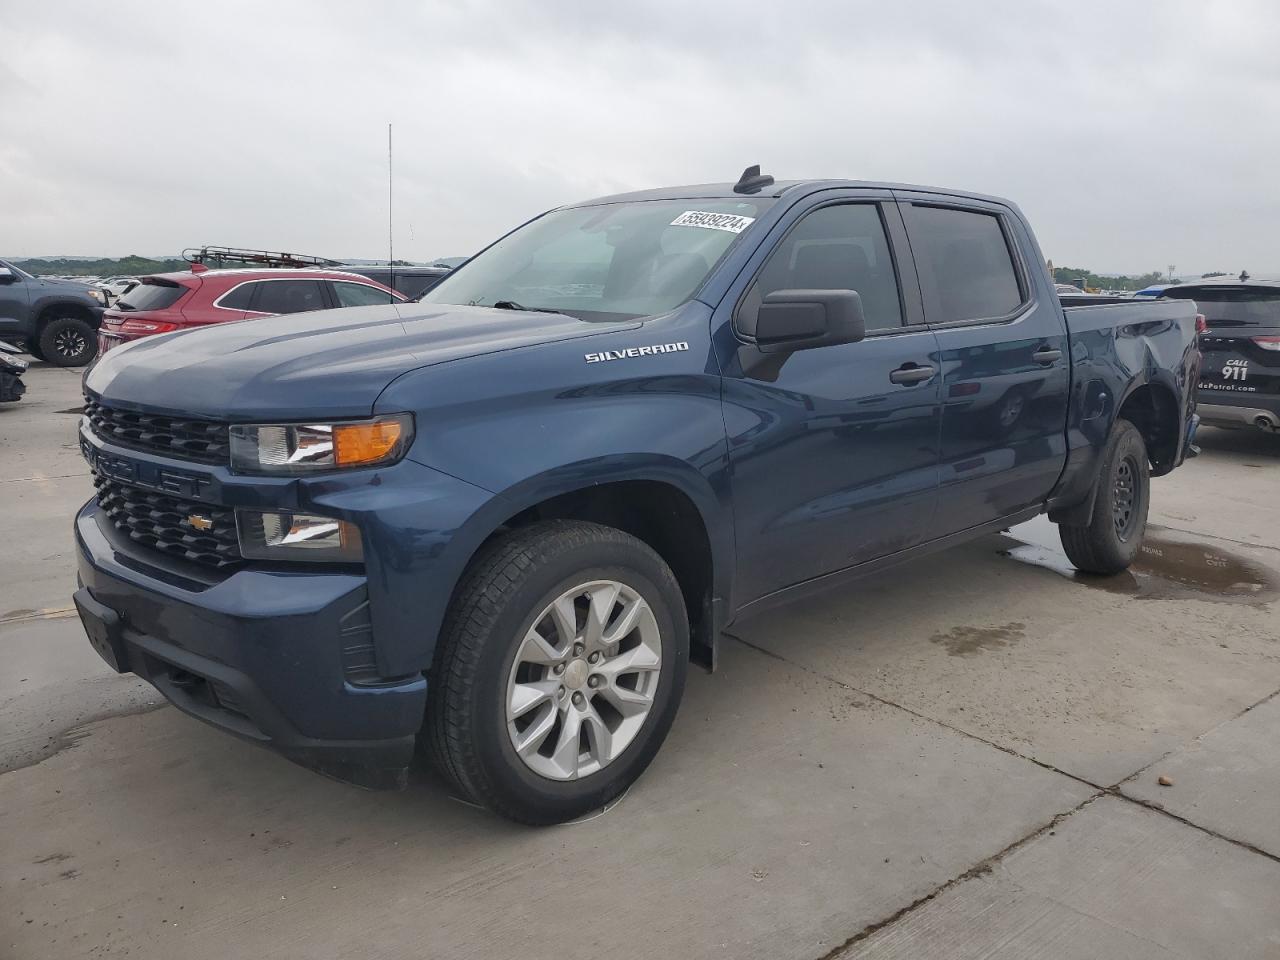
583, 680
70, 343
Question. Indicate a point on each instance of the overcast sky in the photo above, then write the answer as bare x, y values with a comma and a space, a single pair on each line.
1134, 135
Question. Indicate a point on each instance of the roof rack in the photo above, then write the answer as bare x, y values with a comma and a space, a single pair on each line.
215, 257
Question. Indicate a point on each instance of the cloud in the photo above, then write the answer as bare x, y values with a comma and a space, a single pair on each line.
1133, 135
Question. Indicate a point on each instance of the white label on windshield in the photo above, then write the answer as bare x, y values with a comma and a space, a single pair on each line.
728, 222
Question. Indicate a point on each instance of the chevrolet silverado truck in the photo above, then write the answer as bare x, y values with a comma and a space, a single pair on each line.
58, 319
497, 525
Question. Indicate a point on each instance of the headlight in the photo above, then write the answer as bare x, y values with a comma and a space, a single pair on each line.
302, 448
297, 536
13, 364
97, 295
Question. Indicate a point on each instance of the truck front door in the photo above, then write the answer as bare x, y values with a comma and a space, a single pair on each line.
1004, 350
834, 457
15, 302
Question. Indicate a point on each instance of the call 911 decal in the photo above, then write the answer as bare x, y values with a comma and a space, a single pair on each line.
728, 222
1235, 371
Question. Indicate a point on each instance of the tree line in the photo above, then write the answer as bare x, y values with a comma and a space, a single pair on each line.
131, 266
1096, 281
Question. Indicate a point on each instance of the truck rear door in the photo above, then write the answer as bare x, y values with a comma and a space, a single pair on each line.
1002, 339
834, 457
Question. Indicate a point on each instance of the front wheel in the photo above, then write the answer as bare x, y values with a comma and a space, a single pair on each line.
559, 670
68, 342
1110, 541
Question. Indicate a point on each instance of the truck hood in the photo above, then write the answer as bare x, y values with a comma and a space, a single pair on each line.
332, 363
72, 288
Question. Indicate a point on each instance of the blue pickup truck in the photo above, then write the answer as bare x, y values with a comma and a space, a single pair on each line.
497, 525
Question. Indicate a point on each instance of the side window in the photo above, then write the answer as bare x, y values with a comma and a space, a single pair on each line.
238, 298
966, 267
289, 296
840, 247
359, 294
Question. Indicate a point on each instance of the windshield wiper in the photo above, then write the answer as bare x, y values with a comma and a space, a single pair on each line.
512, 305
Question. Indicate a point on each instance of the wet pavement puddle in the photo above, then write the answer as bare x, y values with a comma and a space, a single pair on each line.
1170, 566
967, 641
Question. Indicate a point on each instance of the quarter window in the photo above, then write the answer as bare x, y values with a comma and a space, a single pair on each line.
239, 298
288, 296
839, 247
359, 294
966, 267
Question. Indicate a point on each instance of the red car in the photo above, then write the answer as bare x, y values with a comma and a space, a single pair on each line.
181, 301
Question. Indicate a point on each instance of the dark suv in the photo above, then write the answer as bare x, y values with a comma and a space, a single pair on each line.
1240, 373
413, 282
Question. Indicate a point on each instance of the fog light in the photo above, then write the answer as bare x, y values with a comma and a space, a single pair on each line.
297, 536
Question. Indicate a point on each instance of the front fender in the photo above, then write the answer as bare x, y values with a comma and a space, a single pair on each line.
541, 421
41, 304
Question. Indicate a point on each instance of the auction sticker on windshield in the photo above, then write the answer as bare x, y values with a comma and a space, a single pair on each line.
728, 222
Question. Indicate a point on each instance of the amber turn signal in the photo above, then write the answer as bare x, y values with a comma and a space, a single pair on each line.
365, 443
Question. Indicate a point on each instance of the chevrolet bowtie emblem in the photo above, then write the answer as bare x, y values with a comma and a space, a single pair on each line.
199, 522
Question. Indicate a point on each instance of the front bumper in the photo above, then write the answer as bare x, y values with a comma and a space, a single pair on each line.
262, 654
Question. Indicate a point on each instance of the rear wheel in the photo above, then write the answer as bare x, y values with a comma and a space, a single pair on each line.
559, 670
68, 342
1110, 541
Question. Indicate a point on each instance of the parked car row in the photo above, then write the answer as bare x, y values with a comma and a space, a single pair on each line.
180, 301
63, 320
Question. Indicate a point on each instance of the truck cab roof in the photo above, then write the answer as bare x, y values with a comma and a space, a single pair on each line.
725, 191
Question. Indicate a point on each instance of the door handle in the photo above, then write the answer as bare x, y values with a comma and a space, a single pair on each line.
1047, 355
907, 374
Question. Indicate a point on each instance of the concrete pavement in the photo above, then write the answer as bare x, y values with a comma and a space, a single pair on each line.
957, 758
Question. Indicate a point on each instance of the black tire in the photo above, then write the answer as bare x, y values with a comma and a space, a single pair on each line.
1110, 541
68, 342
506, 587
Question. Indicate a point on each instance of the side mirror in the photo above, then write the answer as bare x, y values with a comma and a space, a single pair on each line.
7, 275
791, 320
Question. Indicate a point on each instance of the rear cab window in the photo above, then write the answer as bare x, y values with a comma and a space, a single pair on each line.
967, 268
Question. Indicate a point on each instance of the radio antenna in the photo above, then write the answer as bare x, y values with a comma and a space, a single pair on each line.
391, 242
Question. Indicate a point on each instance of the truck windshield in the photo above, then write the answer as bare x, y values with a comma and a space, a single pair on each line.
1234, 306
615, 261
